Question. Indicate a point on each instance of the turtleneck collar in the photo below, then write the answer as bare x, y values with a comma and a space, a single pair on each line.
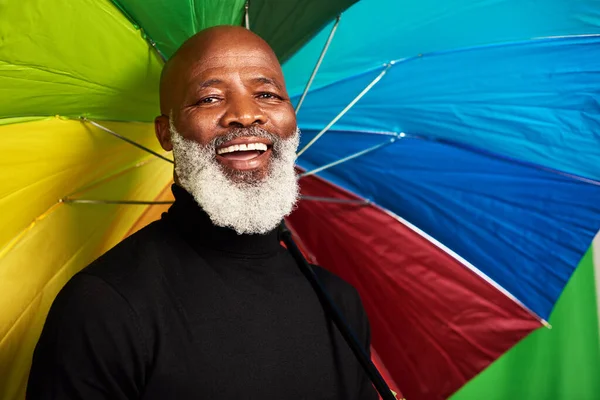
197, 228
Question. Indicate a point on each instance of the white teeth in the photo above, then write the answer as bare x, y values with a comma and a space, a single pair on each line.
243, 147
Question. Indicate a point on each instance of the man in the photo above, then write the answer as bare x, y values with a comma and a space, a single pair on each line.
205, 303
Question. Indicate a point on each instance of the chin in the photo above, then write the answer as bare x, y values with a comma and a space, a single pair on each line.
249, 177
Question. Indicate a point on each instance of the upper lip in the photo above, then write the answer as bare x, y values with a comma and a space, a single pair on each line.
246, 140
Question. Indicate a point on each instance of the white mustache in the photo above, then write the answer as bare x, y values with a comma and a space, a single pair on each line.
237, 133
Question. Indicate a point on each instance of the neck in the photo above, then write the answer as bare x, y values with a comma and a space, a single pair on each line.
199, 230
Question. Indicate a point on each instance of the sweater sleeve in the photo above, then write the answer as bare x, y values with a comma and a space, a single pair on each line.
91, 346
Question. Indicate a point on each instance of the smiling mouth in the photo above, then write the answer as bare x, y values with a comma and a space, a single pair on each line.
243, 152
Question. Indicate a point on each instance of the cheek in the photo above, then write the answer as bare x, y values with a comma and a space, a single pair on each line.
284, 120
200, 126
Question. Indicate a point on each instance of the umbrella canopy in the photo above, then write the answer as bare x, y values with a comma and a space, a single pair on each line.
473, 146
448, 158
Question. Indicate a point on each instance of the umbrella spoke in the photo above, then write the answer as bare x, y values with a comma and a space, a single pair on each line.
125, 202
67, 200
108, 178
335, 200
348, 107
152, 43
247, 15
145, 36
352, 156
319, 61
139, 146
465, 263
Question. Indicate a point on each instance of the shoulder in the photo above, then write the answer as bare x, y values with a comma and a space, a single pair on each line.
120, 287
135, 269
87, 307
343, 294
348, 301
135, 250
138, 260
91, 331
90, 297
334, 283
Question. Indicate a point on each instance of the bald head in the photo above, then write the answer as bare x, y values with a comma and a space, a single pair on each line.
208, 47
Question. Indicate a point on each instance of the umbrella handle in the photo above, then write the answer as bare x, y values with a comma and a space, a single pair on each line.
334, 314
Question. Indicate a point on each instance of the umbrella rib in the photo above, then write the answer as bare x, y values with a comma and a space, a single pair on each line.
126, 202
67, 200
139, 146
352, 156
361, 131
335, 200
247, 15
348, 107
152, 44
464, 262
319, 61
110, 177
137, 26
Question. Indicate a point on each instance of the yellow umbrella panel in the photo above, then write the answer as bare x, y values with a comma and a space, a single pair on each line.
45, 240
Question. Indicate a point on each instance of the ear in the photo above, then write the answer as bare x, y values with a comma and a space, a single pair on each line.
163, 133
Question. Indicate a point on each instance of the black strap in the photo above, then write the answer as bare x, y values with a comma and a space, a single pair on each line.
334, 313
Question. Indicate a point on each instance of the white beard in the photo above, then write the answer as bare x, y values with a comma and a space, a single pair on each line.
247, 205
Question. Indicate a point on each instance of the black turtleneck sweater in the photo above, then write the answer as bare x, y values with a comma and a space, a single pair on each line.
183, 309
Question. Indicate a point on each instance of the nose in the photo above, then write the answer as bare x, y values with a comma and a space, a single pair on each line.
243, 112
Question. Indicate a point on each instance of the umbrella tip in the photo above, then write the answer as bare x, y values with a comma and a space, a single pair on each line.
546, 324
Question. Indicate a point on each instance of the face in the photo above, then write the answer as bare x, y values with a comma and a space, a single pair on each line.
233, 133
230, 91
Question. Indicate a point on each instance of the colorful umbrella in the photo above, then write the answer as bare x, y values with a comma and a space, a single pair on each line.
450, 176
463, 157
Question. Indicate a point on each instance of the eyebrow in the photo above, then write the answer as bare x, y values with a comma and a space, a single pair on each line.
267, 81
208, 83
261, 79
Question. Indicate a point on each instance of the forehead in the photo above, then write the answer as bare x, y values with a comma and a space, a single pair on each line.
234, 61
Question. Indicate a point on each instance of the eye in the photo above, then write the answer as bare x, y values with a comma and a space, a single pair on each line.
268, 96
208, 100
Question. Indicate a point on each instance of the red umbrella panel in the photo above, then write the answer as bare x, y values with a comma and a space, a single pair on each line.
436, 320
